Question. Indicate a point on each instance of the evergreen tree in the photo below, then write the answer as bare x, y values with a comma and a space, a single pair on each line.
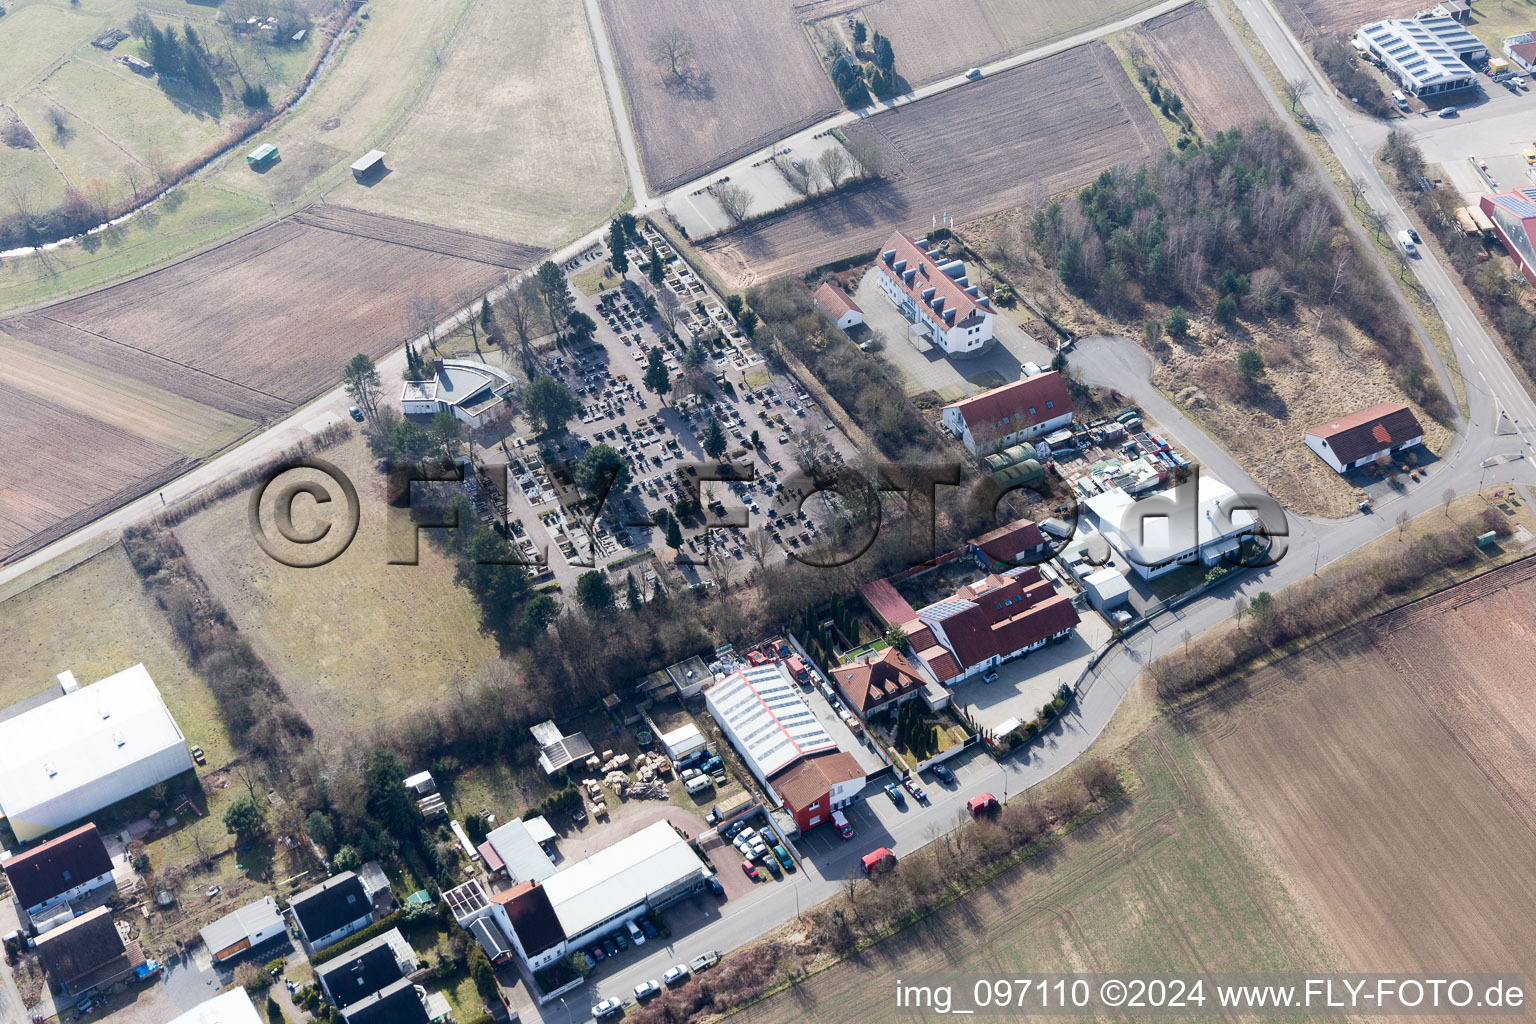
657, 272
632, 592
674, 534
714, 440
657, 380
617, 257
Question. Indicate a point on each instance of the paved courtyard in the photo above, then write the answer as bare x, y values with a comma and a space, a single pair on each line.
927, 368
1025, 684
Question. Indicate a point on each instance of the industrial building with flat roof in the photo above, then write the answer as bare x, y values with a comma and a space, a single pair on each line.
1427, 56
473, 392
764, 715
232, 1007
1201, 520
84, 749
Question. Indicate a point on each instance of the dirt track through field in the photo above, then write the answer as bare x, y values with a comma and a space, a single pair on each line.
1393, 768
1195, 58
1017, 137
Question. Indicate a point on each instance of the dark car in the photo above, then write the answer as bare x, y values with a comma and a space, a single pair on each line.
895, 794
648, 928
715, 886
944, 775
355, 413
596, 952
611, 947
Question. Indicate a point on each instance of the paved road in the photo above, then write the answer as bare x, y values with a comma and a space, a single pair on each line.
616, 105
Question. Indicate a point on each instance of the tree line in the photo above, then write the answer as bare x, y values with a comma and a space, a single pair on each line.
1241, 220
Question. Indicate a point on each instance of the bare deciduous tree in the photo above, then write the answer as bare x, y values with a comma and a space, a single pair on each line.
868, 154
1293, 90
834, 164
734, 199
58, 120
672, 50
1356, 189
760, 545
799, 178
424, 312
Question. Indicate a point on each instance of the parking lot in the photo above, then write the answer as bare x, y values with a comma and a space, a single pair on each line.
1492, 125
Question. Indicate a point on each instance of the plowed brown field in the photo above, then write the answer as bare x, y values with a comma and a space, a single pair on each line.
1193, 55
1310, 19
756, 81
1393, 770
1020, 135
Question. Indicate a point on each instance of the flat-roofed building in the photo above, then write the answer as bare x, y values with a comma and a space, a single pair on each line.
1426, 56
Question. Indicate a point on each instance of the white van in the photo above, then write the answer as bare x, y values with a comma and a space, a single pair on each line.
1400, 99
635, 934
698, 784
840, 821
1405, 239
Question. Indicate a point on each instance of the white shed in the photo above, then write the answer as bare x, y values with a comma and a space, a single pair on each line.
682, 741
1107, 588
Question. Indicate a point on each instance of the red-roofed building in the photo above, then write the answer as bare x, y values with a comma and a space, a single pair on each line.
1360, 438
935, 296
1024, 410
1018, 543
839, 307
814, 786
528, 918
1514, 221
983, 624
879, 681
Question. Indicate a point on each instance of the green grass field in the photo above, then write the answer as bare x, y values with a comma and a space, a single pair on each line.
119, 125
357, 643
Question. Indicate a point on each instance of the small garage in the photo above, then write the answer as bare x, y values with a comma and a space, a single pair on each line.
1107, 589
246, 928
369, 165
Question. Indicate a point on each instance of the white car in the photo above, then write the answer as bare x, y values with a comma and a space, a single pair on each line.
675, 975
646, 989
973, 74
607, 1008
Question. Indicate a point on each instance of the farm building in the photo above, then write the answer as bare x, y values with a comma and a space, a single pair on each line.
1005, 416
243, 929
473, 392
368, 165
232, 1007
1426, 56
66, 754
935, 296
47, 879
1361, 438
1160, 533
519, 853
839, 306
327, 913
261, 156
1514, 222
87, 954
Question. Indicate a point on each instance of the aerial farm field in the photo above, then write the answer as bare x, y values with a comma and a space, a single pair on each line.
1169, 880
932, 40
117, 436
1193, 55
1054, 123
357, 643
1391, 770
514, 139
264, 323
755, 81
1310, 19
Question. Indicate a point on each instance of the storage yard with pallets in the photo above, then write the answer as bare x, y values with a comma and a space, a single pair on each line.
264, 323
1195, 58
1055, 124
754, 81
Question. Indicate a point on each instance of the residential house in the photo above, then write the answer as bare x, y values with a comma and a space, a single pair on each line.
367, 969
528, 919
1018, 543
244, 929
87, 953
839, 306
1024, 410
399, 1002
813, 787
1362, 438
935, 296
878, 681
46, 879
327, 913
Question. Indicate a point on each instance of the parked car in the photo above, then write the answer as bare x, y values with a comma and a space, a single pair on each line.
611, 946
918, 792
1448, 112
715, 886
878, 860
772, 865
703, 962
973, 74
675, 975
648, 928
784, 857
749, 869
355, 413
895, 795
1405, 239
840, 820
944, 775
609, 1007
646, 989
619, 937
635, 934
596, 952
